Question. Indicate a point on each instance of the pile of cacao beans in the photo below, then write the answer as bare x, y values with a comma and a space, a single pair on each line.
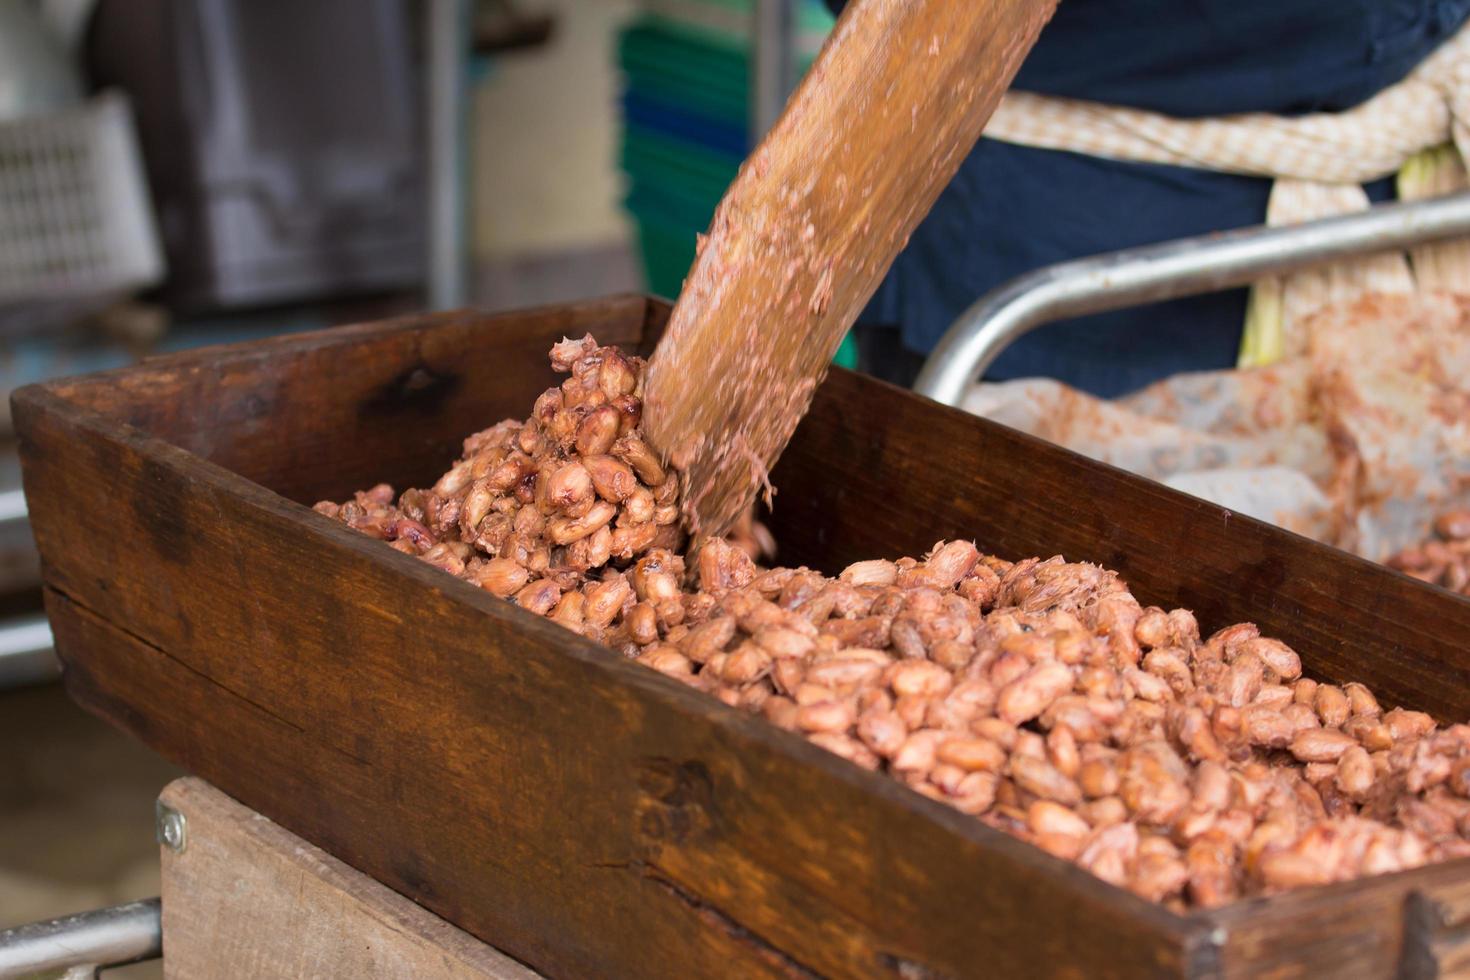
1444, 559
534, 511
1039, 695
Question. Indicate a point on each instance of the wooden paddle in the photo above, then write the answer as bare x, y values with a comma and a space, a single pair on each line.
805, 233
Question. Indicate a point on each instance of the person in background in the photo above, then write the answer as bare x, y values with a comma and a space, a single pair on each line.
1015, 208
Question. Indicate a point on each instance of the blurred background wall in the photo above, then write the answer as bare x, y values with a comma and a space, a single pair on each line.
176, 173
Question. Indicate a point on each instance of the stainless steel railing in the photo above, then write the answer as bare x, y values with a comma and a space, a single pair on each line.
1169, 270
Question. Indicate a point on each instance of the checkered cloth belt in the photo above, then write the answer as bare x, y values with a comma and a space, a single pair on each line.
1418, 129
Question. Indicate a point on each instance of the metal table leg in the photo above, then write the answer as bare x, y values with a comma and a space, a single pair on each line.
26, 656
772, 63
448, 46
82, 944
1186, 267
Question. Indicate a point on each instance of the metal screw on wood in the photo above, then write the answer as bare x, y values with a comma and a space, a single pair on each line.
172, 828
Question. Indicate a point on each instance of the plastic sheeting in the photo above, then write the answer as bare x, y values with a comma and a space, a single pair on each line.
1359, 442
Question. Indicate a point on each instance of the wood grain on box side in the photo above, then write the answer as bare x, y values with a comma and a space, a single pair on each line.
588, 816
1384, 926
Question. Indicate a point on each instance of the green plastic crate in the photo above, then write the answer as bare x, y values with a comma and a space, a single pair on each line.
678, 53
667, 252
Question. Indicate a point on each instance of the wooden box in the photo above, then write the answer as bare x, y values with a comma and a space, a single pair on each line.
583, 813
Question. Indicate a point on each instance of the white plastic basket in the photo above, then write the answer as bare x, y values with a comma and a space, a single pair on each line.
75, 217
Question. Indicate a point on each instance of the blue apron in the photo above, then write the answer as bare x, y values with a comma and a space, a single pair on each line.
1012, 209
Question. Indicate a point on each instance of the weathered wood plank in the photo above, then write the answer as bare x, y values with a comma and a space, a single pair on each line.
1436, 935
340, 803
246, 899
1356, 929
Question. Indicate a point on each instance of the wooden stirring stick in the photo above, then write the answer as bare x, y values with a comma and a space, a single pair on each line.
805, 233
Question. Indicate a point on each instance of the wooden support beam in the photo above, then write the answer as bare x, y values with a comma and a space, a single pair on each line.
245, 898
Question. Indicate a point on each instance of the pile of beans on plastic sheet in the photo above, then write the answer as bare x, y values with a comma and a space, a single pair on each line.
1039, 696
1445, 558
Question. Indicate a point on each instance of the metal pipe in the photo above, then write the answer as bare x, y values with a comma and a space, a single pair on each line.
447, 21
1186, 267
12, 506
79, 943
772, 63
26, 652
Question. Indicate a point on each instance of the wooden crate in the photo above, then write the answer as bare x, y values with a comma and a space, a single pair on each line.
585, 814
